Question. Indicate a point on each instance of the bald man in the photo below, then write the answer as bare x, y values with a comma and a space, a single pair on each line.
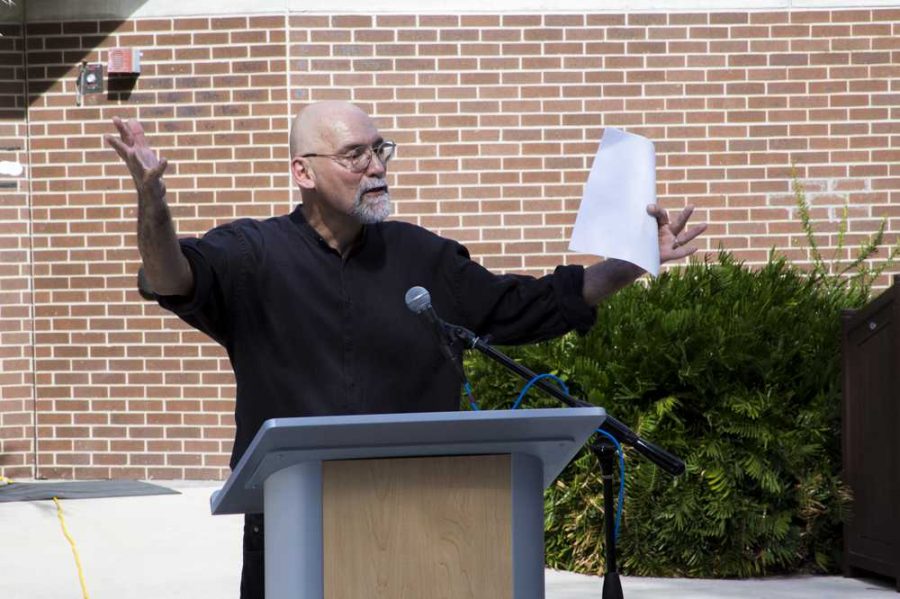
310, 305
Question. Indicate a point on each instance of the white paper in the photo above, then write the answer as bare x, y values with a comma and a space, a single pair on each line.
612, 220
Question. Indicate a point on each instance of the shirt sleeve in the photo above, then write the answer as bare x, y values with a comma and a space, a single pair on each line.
514, 309
216, 261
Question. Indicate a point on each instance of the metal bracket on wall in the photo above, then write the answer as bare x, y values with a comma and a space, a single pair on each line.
90, 81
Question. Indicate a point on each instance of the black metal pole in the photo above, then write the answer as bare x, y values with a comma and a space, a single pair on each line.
659, 456
606, 453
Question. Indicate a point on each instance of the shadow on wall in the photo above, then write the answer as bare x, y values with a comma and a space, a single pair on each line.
56, 51
12, 105
80, 39
17, 380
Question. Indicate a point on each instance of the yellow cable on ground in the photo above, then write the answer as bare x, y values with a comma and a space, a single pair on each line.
62, 521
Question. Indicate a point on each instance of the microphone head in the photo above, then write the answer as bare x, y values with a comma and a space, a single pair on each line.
418, 299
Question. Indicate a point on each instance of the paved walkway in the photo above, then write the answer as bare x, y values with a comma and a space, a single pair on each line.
168, 546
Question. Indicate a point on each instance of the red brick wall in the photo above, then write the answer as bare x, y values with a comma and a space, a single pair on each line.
123, 389
16, 371
498, 118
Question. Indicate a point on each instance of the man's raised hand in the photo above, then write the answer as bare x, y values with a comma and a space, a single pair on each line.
673, 238
145, 167
166, 270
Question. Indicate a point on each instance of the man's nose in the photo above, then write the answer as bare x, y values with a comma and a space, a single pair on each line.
376, 168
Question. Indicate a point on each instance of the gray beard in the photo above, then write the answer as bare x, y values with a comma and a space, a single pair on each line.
373, 210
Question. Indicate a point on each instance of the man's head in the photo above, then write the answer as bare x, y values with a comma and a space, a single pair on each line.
336, 160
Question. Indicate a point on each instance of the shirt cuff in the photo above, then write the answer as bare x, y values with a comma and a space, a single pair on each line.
187, 304
568, 286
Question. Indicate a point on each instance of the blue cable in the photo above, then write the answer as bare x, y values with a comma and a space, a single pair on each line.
533, 381
528, 385
472, 403
621, 479
621, 501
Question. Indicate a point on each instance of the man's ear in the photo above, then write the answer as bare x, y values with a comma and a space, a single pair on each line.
302, 174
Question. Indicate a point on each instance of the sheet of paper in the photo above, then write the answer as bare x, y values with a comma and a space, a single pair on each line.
612, 220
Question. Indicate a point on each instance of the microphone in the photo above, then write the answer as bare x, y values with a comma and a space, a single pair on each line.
419, 301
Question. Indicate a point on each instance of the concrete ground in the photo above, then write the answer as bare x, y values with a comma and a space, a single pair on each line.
169, 546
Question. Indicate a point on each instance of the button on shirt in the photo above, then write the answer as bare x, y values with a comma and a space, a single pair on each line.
312, 333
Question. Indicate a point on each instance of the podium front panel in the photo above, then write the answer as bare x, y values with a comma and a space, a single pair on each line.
418, 527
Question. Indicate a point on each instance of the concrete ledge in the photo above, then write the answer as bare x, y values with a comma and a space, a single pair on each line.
68, 10
170, 546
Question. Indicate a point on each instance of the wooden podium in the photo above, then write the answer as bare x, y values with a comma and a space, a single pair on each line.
406, 506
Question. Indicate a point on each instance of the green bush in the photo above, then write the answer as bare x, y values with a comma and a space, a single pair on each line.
737, 372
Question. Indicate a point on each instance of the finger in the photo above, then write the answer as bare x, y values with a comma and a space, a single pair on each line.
124, 131
137, 132
157, 171
118, 145
684, 252
681, 220
687, 236
677, 253
661, 216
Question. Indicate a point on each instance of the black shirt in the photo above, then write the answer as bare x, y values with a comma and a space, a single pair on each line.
310, 333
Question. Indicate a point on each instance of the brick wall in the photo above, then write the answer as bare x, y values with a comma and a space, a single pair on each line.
16, 368
497, 117
123, 390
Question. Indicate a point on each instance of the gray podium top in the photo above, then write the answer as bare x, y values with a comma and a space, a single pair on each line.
552, 435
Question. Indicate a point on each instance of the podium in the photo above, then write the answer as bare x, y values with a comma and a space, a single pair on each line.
438, 504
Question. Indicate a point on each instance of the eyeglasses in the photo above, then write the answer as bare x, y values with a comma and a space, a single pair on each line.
358, 158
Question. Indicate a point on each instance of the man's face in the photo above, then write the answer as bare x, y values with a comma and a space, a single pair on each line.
346, 183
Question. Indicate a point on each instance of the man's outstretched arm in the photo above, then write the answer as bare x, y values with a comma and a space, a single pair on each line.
166, 270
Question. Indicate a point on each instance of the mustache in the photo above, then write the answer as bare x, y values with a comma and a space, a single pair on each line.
368, 185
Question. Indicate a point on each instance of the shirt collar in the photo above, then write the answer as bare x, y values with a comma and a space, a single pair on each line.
306, 229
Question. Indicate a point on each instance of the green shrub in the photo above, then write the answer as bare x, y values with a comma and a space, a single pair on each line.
737, 372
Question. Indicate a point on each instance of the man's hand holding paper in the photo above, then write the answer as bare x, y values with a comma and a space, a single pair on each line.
619, 217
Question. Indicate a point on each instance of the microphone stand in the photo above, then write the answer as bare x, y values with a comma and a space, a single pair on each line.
605, 451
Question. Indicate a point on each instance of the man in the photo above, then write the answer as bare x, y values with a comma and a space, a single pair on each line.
310, 305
